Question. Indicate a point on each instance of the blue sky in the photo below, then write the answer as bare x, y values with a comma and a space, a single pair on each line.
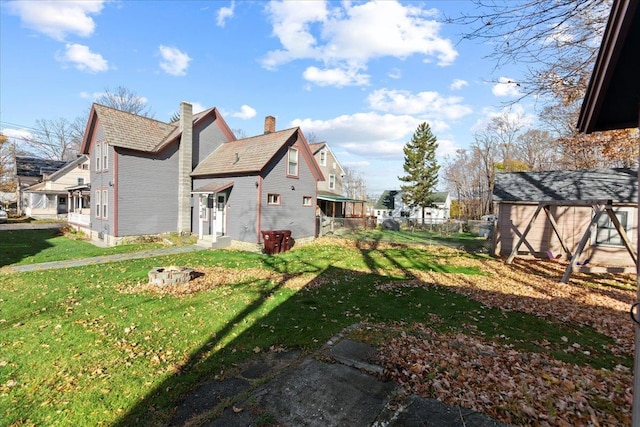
359, 75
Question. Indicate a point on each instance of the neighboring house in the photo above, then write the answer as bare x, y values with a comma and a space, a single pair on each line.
390, 205
142, 182
557, 208
30, 171
51, 198
335, 208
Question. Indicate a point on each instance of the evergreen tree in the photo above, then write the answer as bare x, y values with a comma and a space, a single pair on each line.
421, 169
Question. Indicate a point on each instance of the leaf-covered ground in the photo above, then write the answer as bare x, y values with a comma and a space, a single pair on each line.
516, 387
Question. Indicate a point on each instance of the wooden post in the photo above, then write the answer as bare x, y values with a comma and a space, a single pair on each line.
524, 235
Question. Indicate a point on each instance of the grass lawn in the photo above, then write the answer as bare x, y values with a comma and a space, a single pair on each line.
19, 247
98, 346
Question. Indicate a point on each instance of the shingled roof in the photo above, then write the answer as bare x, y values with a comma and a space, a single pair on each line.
618, 185
35, 166
248, 155
129, 130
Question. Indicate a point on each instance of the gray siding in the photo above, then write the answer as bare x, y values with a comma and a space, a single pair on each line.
290, 214
147, 192
241, 209
99, 181
207, 136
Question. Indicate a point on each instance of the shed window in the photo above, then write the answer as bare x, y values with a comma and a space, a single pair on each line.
606, 232
292, 168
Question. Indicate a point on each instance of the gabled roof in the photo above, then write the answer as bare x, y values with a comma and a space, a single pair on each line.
34, 166
243, 156
317, 146
127, 130
617, 185
612, 100
131, 131
68, 167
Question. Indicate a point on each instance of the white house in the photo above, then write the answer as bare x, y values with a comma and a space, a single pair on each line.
390, 205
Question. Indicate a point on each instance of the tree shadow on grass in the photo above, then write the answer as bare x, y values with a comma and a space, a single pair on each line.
15, 245
337, 298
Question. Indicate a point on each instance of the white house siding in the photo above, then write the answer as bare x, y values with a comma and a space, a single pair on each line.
147, 192
290, 214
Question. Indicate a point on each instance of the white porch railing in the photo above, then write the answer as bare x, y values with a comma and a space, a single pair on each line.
83, 219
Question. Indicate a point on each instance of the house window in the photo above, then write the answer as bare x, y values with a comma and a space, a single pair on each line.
273, 199
332, 182
323, 158
98, 153
62, 201
80, 181
292, 168
606, 233
98, 203
85, 166
306, 201
105, 152
105, 198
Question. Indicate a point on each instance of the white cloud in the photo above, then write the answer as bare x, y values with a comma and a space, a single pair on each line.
174, 61
224, 13
347, 36
82, 58
394, 73
458, 84
17, 135
429, 103
506, 87
57, 19
335, 77
245, 113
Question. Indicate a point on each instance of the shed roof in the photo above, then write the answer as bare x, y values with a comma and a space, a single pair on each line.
618, 185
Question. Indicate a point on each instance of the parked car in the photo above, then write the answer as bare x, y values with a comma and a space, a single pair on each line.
3, 215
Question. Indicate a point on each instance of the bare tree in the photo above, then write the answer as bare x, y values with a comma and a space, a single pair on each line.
7, 161
56, 139
125, 100
353, 184
557, 40
538, 150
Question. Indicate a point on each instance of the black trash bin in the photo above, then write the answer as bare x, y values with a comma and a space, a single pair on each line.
271, 242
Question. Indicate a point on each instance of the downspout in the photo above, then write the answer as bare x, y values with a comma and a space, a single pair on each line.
259, 208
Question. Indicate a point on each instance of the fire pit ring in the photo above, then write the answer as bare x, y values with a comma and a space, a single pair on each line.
172, 275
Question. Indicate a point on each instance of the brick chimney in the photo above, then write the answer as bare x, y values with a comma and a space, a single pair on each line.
185, 160
269, 124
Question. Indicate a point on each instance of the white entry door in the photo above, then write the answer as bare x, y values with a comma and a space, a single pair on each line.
221, 202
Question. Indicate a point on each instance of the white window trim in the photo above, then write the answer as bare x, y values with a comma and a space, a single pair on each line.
307, 201
98, 204
105, 156
276, 199
297, 161
332, 181
98, 156
105, 204
323, 158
